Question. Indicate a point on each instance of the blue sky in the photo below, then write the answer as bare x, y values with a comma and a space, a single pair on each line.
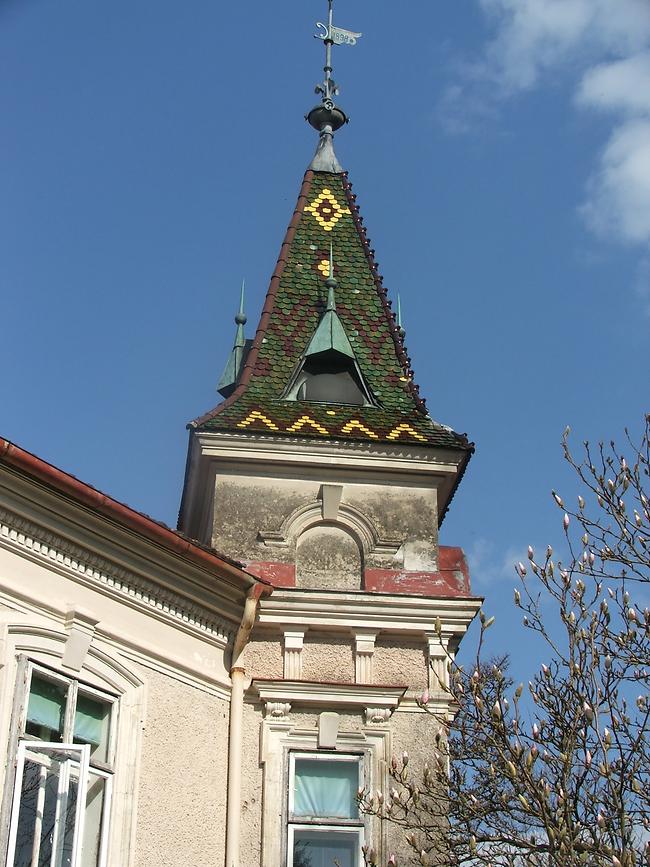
150, 157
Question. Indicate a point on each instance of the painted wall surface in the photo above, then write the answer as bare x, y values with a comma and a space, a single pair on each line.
182, 776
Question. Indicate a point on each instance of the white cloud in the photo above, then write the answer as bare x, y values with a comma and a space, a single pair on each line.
618, 197
488, 566
604, 45
620, 86
534, 36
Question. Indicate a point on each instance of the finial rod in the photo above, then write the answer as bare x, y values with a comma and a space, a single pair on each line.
400, 327
331, 282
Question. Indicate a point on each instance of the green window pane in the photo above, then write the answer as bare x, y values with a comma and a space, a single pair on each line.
325, 848
46, 709
326, 789
92, 725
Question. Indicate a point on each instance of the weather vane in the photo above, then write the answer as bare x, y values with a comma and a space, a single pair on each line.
331, 35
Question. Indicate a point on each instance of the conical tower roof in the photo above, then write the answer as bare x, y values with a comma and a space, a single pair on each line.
327, 214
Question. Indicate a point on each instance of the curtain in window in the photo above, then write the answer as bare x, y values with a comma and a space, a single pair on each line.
46, 704
326, 789
90, 720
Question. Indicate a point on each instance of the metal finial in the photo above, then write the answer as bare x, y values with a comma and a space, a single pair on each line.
400, 329
331, 283
328, 114
240, 318
235, 363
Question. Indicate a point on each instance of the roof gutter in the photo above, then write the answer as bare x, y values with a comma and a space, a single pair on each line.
81, 492
235, 730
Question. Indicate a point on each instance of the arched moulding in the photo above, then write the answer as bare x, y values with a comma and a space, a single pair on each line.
348, 518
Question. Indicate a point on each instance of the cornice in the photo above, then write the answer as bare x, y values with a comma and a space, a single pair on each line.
303, 692
82, 564
259, 447
383, 612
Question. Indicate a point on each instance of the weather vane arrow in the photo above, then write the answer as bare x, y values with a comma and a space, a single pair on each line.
337, 35
332, 35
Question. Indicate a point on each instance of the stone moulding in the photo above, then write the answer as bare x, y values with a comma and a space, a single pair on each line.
280, 696
348, 518
21, 535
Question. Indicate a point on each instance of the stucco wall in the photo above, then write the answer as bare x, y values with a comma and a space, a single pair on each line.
328, 658
263, 656
413, 732
403, 663
182, 776
252, 792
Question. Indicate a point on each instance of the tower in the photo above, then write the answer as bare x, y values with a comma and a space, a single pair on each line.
324, 474
322, 468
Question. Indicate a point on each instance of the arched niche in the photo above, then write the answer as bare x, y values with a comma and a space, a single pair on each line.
328, 558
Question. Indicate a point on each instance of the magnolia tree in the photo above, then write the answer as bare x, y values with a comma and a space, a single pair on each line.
554, 772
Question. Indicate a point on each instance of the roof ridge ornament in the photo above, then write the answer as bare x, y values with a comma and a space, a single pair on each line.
328, 117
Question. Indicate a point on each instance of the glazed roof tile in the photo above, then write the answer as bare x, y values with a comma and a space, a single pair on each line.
326, 212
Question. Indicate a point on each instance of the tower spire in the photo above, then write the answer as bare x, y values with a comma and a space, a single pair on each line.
328, 117
235, 363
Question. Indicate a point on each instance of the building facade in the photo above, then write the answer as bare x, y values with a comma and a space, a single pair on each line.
218, 694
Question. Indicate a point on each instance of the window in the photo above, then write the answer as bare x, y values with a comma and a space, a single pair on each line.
329, 377
324, 826
64, 773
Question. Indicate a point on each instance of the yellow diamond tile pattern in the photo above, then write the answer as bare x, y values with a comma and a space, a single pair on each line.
326, 210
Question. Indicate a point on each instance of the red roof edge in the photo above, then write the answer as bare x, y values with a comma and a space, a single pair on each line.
126, 516
269, 304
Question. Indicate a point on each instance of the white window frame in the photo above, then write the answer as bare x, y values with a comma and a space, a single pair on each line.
23, 742
295, 823
36, 751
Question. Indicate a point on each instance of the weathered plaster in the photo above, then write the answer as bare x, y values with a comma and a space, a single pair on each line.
330, 557
182, 777
245, 507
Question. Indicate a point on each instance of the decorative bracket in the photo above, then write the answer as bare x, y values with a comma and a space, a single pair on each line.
80, 626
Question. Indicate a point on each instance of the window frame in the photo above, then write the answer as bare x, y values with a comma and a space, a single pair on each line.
38, 749
74, 685
19, 738
293, 823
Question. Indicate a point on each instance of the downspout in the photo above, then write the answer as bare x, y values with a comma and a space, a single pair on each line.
238, 678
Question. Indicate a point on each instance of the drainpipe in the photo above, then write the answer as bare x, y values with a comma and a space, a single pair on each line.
238, 678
